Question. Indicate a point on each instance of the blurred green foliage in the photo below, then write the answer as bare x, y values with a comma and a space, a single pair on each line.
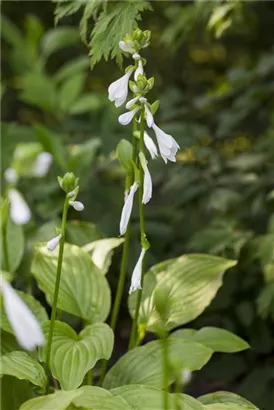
213, 64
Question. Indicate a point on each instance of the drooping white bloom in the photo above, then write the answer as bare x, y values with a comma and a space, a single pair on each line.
118, 90
127, 117
77, 205
11, 176
147, 189
137, 273
126, 46
149, 116
19, 210
42, 164
167, 144
54, 242
127, 208
139, 70
149, 143
26, 328
131, 102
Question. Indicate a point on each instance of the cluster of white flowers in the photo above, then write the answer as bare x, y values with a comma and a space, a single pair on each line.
167, 146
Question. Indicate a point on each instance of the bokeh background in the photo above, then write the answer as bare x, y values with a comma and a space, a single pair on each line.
213, 64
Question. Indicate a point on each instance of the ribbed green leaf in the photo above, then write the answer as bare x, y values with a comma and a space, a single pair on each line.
58, 38
23, 367
15, 392
15, 245
191, 282
36, 308
143, 365
57, 401
73, 355
227, 406
150, 398
225, 398
83, 291
8, 343
102, 251
96, 398
219, 340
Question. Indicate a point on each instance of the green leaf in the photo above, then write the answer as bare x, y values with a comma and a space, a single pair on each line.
11, 33
227, 406
150, 398
23, 367
118, 19
124, 154
71, 68
86, 103
101, 399
219, 340
66, 8
226, 397
14, 392
37, 309
15, 245
72, 355
102, 251
58, 38
91, 9
71, 90
143, 365
84, 291
57, 401
81, 233
192, 281
83, 156
8, 343
39, 90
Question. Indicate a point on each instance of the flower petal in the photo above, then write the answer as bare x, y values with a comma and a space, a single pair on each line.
127, 209
26, 328
149, 117
147, 189
127, 117
167, 144
19, 210
131, 102
136, 279
118, 90
151, 147
42, 164
139, 70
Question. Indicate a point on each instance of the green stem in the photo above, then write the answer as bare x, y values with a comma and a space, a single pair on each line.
165, 371
178, 390
124, 263
57, 282
90, 377
132, 340
5, 250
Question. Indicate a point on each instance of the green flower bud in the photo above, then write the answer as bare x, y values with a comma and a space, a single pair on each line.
69, 182
154, 107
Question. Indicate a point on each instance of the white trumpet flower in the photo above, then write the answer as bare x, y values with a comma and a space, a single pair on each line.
127, 208
54, 242
26, 328
11, 176
126, 46
42, 164
118, 90
131, 102
151, 147
136, 278
139, 69
127, 117
19, 210
167, 144
77, 205
149, 117
147, 188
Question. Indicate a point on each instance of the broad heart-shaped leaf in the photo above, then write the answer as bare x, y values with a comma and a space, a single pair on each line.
150, 398
8, 343
81, 232
226, 397
143, 365
83, 291
102, 251
36, 308
191, 282
23, 367
15, 245
219, 340
227, 406
96, 398
73, 355
56, 401
14, 392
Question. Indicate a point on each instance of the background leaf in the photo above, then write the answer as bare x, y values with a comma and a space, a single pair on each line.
15, 244
101, 251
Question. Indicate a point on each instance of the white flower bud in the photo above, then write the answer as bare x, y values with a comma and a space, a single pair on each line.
77, 205
149, 117
127, 208
149, 143
127, 117
19, 210
54, 242
139, 70
137, 273
11, 176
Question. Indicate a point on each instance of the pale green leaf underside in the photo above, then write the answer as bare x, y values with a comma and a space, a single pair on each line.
191, 282
73, 355
22, 366
225, 398
57, 401
143, 365
84, 291
102, 251
219, 340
